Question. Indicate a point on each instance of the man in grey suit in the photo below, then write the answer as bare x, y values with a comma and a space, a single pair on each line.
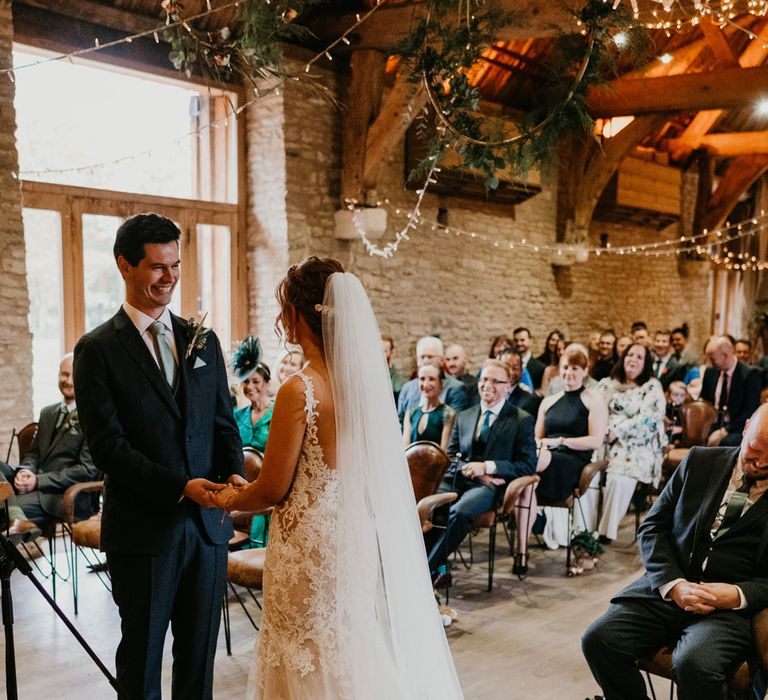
57, 459
703, 544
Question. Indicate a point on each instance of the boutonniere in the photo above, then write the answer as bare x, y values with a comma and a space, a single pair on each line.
71, 422
197, 335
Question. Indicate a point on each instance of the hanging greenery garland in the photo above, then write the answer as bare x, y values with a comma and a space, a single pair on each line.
443, 47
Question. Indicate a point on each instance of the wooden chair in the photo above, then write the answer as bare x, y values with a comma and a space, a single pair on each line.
252, 461
427, 463
588, 474
697, 418
660, 664
23, 439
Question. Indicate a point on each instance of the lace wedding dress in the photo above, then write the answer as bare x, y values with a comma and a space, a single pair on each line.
348, 610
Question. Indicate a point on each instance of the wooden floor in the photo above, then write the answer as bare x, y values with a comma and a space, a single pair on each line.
520, 641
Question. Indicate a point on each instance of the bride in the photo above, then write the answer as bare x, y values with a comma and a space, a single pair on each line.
348, 606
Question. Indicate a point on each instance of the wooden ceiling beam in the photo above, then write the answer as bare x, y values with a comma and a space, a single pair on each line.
729, 145
730, 88
97, 13
718, 42
740, 174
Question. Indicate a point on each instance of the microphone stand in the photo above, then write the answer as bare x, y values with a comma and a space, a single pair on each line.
10, 559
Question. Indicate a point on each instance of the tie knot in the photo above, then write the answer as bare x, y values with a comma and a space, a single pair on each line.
157, 328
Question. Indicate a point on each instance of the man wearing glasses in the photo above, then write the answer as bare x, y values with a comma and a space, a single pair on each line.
492, 444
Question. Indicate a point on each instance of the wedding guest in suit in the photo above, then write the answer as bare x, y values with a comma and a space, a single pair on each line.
388, 344
570, 426
665, 367
456, 360
57, 459
520, 393
155, 408
733, 388
431, 419
640, 333
636, 435
606, 356
742, 348
522, 338
491, 444
683, 352
703, 545
430, 348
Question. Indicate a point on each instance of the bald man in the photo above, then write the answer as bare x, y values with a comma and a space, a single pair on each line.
703, 545
733, 388
456, 361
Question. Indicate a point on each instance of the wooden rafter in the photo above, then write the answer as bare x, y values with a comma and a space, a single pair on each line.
732, 144
739, 176
729, 88
718, 42
97, 13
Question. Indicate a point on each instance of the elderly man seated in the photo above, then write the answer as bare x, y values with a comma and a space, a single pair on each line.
430, 348
733, 388
492, 443
57, 459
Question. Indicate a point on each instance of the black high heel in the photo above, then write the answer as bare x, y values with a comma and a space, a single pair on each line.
519, 568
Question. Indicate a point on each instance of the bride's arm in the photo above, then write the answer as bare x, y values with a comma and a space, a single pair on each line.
286, 433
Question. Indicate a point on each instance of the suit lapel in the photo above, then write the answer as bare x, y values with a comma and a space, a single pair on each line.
719, 475
46, 431
498, 427
136, 348
468, 428
180, 336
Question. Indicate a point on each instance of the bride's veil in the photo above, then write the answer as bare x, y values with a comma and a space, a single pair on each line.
391, 635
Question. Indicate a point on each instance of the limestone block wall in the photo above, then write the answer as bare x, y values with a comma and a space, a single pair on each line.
15, 338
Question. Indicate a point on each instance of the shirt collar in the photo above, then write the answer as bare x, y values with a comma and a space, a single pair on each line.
68, 406
143, 322
526, 357
495, 409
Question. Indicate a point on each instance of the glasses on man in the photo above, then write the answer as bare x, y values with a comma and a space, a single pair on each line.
485, 380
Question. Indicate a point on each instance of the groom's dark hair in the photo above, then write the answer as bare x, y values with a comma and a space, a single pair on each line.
140, 229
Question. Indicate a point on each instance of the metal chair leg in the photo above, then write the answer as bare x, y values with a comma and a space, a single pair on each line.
227, 630
491, 554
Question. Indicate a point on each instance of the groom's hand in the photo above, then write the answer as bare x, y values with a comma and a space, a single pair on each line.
201, 491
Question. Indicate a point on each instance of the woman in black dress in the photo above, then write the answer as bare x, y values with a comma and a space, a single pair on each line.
570, 426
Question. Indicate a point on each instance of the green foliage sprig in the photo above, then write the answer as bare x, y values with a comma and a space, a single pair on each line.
444, 45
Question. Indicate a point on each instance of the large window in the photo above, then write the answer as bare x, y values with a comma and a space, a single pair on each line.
96, 146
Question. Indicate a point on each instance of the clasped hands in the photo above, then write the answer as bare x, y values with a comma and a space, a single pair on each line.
212, 495
704, 598
476, 471
24, 481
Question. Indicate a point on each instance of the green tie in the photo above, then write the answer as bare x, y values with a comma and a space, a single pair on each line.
486, 427
163, 352
733, 510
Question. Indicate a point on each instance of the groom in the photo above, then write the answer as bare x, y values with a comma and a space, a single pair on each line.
155, 408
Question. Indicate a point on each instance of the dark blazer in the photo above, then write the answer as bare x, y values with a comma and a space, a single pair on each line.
60, 460
744, 397
511, 444
674, 370
536, 370
525, 399
674, 538
147, 441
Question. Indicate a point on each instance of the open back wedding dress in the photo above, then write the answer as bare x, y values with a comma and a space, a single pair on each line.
349, 612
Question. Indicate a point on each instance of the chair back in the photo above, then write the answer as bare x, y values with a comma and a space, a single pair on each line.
427, 463
698, 417
252, 461
23, 439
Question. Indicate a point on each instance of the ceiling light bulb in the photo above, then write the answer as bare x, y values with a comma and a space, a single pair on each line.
666, 58
761, 108
620, 39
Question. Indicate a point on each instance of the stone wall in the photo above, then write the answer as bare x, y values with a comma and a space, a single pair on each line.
469, 290
15, 339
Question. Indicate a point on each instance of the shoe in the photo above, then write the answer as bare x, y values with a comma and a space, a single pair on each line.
442, 579
519, 568
604, 540
97, 568
22, 530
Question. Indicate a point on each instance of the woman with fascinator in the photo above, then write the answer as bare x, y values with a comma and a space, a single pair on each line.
253, 419
348, 606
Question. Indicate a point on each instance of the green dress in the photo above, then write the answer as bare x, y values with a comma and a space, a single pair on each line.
255, 435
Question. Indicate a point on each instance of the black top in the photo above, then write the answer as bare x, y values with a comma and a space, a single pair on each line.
567, 417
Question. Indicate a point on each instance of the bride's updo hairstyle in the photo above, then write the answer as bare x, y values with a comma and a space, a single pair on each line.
303, 288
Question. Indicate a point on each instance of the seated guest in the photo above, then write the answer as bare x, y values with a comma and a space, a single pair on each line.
622, 343
431, 419
57, 459
456, 360
665, 367
706, 574
522, 338
639, 332
288, 363
636, 435
520, 393
498, 344
570, 426
682, 351
253, 419
553, 371
733, 388
742, 348
677, 395
388, 344
491, 444
430, 348
606, 356
593, 346
550, 356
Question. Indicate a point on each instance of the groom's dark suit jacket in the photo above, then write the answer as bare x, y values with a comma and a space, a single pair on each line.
60, 459
511, 444
149, 440
674, 538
